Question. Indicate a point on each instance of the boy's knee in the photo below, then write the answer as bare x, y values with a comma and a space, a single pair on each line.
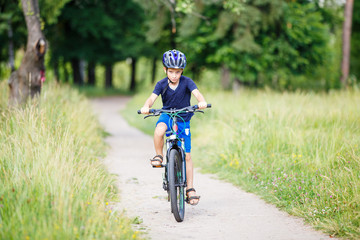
188, 157
160, 130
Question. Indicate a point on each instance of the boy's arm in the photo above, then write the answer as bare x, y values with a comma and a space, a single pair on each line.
201, 100
148, 103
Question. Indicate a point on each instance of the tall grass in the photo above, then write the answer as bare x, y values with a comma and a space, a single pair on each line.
53, 185
299, 151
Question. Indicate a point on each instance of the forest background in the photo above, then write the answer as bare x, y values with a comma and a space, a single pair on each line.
284, 45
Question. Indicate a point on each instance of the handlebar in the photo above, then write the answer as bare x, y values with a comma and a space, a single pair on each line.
185, 109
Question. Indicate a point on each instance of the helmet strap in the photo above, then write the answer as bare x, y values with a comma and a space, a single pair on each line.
170, 81
167, 86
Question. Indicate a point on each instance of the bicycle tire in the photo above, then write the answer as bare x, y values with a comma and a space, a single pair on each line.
177, 192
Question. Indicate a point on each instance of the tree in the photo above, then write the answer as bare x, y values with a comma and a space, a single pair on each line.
78, 35
158, 29
270, 42
128, 40
345, 64
98, 32
227, 37
27, 80
355, 42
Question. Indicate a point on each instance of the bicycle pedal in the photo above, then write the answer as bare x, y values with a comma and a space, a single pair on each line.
159, 166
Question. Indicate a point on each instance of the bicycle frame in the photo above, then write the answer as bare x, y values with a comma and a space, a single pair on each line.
172, 143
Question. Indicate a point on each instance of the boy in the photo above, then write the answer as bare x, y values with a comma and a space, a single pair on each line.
175, 92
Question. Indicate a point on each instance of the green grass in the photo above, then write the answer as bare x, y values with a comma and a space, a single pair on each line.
53, 185
299, 151
91, 92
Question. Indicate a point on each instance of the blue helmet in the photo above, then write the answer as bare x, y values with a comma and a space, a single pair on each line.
174, 59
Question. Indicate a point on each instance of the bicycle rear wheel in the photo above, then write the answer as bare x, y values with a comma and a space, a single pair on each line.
177, 193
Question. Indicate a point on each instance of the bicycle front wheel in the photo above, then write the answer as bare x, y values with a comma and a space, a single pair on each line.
177, 194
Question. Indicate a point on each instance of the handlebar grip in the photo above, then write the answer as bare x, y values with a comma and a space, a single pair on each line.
150, 111
208, 106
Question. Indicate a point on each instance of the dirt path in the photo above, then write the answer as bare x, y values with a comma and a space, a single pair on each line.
224, 211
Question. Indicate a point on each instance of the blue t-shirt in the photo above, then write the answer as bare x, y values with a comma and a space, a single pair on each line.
178, 98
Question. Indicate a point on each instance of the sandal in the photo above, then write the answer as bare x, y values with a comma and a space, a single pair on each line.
188, 199
157, 158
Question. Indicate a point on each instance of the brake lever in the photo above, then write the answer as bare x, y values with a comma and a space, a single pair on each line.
199, 111
154, 114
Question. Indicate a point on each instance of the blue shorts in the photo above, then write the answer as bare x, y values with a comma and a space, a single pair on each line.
183, 129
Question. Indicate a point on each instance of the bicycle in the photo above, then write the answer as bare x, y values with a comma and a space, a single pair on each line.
174, 178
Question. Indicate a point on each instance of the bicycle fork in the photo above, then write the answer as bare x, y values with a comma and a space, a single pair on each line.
183, 165
170, 144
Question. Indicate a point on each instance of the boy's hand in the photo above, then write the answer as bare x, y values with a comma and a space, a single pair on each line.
202, 105
144, 110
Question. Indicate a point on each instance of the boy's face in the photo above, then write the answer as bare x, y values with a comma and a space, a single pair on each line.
173, 74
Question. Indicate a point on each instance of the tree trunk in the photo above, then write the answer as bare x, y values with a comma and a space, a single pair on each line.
133, 75
66, 72
27, 80
256, 82
56, 70
108, 75
345, 64
91, 73
11, 47
236, 86
225, 77
196, 73
82, 72
75, 64
153, 75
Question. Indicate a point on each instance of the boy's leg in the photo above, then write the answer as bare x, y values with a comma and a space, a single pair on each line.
190, 178
185, 133
159, 141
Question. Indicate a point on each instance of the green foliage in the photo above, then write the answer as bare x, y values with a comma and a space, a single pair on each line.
185, 6
188, 16
234, 6
53, 185
51, 9
103, 32
157, 27
10, 13
299, 48
274, 43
